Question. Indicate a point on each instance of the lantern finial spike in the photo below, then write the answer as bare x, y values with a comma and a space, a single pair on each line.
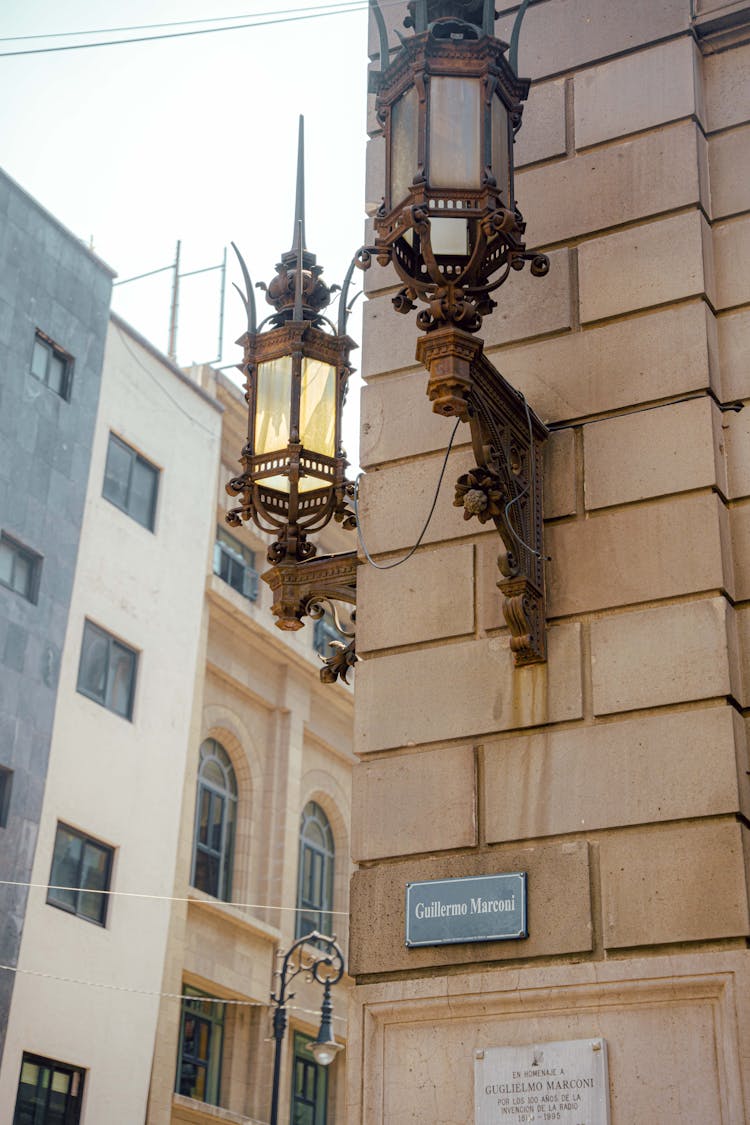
298, 241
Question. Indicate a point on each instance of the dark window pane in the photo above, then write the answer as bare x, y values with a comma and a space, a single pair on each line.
7, 556
199, 1059
141, 501
215, 810
6, 784
56, 374
92, 677
66, 863
49, 1093
39, 360
94, 878
121, 675
117, 472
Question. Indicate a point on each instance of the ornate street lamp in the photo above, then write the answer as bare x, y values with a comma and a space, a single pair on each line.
320, 959
296, 366
450, 104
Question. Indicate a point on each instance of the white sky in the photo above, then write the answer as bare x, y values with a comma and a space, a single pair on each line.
194, 139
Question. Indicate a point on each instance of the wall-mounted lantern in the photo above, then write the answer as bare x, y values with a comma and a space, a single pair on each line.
296, 366
450, 104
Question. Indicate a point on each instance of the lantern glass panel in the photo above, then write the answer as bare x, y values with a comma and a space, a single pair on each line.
317, 409
501, 149
454, 132
449, 236
404, 124
273, 404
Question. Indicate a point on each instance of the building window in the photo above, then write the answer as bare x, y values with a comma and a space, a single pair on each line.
309, 1085
6, 784
107, 671
235, 563
324, 632
51, 365
20, 568
315, 877
199, 1056
81, 870
215, 817
49, 1093
131, 482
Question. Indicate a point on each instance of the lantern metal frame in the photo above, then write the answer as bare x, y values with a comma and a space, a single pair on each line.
302, 584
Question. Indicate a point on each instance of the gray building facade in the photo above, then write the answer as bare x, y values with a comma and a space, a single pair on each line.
54, 307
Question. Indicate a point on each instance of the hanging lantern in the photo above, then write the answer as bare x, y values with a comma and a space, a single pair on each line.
296, 367
450, 104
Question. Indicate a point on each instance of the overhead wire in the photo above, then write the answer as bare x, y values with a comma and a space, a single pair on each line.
160, 898
182, 996
355, 7
173, 23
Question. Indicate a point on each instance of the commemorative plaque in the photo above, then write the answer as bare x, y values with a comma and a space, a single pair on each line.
564, 1082
477, 908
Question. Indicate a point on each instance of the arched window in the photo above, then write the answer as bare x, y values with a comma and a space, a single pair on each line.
215, 817
315, 877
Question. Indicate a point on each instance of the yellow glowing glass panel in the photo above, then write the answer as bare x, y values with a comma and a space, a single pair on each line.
317, 408
273, 404
317, 414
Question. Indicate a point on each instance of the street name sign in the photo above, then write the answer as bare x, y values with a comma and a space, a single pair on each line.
564, 1082
477, 908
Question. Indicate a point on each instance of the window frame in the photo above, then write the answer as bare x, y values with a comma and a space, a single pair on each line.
325, 631
34, 561
134, 458
315, 913
226, 547
76, 1073
75, 909
112, 641
53, 349
215, 1018
228, 795
302, 1055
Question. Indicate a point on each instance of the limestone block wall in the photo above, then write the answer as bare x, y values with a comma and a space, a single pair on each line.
615, 775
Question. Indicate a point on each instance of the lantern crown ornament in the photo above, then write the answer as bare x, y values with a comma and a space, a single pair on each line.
450, 104
296, 367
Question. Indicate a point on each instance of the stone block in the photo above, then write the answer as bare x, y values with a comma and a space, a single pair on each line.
465, 690
732, 262
636, 92
644, 266
655, 768
563, 34
729, 163
397, 420
429, 598
727, 88
733, 331
615, 365
558, 879
674, 884
439, 790
739, 518
560, 474
649, 453
621, 182
640, 553
543, 133
527, 306
733, 443
669, 654
395, 502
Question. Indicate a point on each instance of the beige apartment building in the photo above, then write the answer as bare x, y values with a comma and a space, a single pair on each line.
196, 759
615, 775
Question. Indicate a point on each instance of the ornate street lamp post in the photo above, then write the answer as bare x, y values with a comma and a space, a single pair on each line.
296, 366
320, 958
450, 104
